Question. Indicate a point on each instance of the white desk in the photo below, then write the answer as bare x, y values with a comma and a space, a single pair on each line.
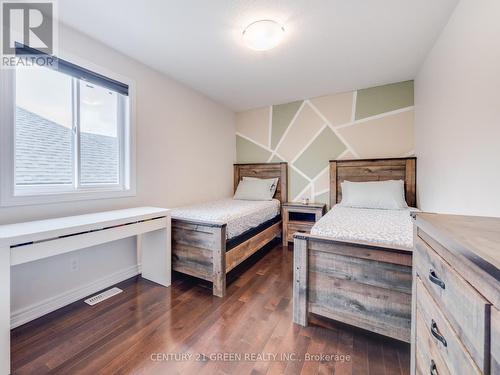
46, 238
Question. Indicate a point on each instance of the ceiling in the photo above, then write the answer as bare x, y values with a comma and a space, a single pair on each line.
330, 45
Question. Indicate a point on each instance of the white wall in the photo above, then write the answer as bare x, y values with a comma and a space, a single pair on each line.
185, 151
457, 99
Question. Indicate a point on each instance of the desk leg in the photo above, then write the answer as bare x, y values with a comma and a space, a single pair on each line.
5, 310
156, 256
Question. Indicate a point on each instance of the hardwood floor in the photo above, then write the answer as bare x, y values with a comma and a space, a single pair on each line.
147, 329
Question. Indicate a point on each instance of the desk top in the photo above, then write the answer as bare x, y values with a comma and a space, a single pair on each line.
14, 234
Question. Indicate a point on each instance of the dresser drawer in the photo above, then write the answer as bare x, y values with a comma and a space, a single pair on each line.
446, 341
465, 309
293, 227
427, 356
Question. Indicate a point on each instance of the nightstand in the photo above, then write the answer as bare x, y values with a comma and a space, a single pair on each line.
299, 217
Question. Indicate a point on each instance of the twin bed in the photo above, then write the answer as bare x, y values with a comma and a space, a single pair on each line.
355, 266
209, 240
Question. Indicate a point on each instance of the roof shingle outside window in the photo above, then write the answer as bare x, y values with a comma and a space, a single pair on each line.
44, 153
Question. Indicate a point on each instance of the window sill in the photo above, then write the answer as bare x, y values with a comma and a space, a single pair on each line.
52, 198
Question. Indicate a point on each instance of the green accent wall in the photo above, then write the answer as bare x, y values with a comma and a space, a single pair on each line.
310, 148
296, 182
381, 99
325, 147
282, 116
249, 152
323, 198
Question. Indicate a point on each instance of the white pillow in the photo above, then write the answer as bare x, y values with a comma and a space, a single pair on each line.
386, 195
273, 183
254, 189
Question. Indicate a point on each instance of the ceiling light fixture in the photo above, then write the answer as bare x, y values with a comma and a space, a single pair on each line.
263, 35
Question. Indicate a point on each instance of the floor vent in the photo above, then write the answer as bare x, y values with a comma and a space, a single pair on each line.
103, 296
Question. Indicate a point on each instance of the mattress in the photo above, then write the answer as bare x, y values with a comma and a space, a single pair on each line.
239, 215
392, 228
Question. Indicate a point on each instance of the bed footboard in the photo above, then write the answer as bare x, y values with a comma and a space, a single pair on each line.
362, 285
199, 249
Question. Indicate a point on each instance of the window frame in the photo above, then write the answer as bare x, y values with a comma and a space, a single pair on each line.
9, 193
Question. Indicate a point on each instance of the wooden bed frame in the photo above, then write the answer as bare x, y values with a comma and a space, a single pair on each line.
199, 248
361, 284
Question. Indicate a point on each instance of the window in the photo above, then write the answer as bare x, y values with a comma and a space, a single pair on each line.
70, 136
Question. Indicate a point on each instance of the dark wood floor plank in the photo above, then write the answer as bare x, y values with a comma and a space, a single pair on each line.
375, 357
345, 347
120, 335
360, 355
391, 360
403, 351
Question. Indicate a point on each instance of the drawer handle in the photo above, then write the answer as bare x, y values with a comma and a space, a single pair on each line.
435, 332
433, 369
435, 279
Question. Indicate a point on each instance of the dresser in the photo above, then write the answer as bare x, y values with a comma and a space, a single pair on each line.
456, 295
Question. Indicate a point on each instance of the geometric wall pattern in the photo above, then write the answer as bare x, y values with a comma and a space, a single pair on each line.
370, 123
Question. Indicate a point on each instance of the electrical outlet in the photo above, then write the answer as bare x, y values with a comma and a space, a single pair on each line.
75, 266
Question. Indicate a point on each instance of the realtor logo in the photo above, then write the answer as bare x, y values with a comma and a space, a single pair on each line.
30, 24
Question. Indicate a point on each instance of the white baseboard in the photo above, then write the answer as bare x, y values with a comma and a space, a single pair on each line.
39, 309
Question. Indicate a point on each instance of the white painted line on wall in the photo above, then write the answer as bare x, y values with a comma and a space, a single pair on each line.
354, 102
327, 123
300, 172
376, 117
254, 142
320, 173
280, 156
316, 135
290, 126
334, 131
322, 192
277, 155
324, 170
349, 147
302, 192
343, 154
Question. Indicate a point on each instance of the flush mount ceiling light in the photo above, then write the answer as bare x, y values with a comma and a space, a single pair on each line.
263, 35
